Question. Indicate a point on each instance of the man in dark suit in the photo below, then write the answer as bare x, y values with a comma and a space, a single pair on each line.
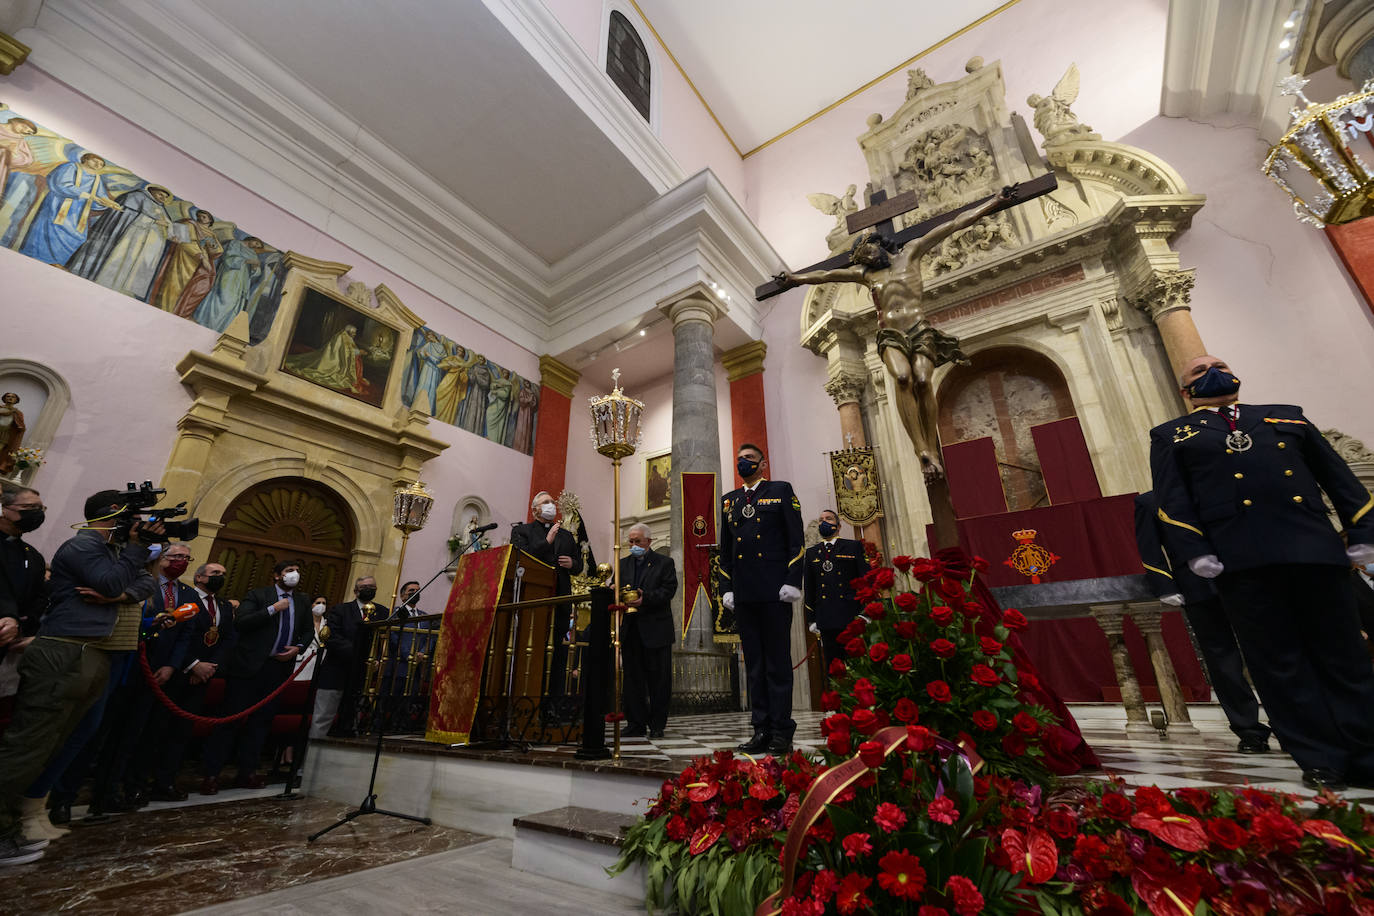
544, 538
646, 635
273, 625
830, 567
1241, 487
340, 675
761, 550
23, 591
1174, 584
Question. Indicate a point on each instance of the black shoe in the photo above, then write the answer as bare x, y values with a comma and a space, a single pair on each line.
1323, 779
60, 813
757, 744
168, 793
115, 804
632, 731
13, 851
1252, 746
655, 733
780, 745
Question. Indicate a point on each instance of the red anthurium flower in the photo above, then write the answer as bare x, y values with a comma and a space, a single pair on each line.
943, 810
967, 900
871, 753
1178, 830
878, 652
939, 691
864, 693
705, 837
703, 791
856, 844
943, 648
985, 676
850, 898
906, 602
763, 791
903, 563
1033, 852
902, 875
901, 663
906, 711
1013, 619
1332, 834
990, 646
983, 720
889, 817
942, 615
1174, 894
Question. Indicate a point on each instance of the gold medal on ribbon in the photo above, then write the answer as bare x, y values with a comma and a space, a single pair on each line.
211, 636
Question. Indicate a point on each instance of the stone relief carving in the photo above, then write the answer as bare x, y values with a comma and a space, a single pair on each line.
1353, 451
946, 166
838, 207
846, 388
1056, 211
974, 244
1111, 312
917, 82
1053, 118
1165, 291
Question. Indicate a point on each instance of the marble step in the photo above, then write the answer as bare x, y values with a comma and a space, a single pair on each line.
576, 845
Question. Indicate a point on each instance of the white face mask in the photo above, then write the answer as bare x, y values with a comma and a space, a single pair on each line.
291, 579
318, 610
548, 511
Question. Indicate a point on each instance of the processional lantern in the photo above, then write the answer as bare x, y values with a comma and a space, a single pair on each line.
409, 512
1325, 160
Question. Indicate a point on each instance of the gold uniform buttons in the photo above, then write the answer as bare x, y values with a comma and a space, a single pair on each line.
1229, 452
1297, 499
1288, 473
1246, 502
1283, 445
1239, 475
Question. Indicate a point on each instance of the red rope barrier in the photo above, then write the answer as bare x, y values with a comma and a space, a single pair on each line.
176, 710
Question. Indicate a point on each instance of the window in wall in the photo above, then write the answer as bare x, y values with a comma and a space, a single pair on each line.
627, 63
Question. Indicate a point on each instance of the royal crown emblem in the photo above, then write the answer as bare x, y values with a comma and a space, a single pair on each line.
1029, 558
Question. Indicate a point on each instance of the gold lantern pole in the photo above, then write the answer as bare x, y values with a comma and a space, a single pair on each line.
409, 513
615, 434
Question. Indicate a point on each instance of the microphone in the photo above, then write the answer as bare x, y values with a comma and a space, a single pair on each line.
485, 528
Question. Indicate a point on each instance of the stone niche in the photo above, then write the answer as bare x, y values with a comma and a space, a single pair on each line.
251, 422
1085, 277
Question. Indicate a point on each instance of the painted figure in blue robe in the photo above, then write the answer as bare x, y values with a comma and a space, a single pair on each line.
236, 273
420, 390
125, 247
266, 295
75, 191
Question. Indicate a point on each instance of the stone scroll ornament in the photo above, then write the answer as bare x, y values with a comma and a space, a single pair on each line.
855, 475
1029, 558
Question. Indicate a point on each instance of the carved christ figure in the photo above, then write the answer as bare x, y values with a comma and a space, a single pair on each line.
893, 278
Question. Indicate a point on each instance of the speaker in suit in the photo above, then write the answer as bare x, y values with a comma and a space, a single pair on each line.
829, 568
647, 636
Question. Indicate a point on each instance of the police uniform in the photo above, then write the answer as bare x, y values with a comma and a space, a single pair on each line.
1216, 641
1247, 487
830, 603
761, 550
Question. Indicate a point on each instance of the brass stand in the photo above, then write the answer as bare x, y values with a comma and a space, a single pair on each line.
616, 615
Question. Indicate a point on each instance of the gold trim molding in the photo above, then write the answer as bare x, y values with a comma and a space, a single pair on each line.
12, 53
558, 376
744, 360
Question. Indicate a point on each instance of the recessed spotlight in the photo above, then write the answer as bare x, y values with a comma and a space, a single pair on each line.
1286, 43
642, 332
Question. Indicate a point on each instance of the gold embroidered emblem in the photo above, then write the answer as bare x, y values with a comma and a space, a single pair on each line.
1183, 433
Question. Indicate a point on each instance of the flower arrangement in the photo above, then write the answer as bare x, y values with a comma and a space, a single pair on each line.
25, 458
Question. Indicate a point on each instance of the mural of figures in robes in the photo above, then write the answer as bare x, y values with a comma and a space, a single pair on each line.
125, 247
338, 347
237, 273
75, 190
455, 385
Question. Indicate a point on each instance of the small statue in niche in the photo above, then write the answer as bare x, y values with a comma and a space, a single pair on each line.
11, 430
1053, 118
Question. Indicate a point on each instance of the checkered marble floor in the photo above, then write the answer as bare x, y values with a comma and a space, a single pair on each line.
1208, 760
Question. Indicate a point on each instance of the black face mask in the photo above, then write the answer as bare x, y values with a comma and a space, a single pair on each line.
747, 467
214, 583
828, 528
366, 594
29, 519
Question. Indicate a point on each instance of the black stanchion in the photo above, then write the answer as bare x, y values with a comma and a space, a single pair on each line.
596, 678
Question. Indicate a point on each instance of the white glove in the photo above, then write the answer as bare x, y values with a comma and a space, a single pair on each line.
1174, 600
728, 599
789, 593
813, 628
1207, 566
1360, 554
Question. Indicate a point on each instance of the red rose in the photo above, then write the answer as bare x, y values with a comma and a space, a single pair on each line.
1014, 744
866, 721
919, 738
971, 609
949, 589
837, 668
967, 900
1025, 723
1061, 822
881, 578
863, 592
1013, 619
905, 711
1116, 805
926, 570
901, 663
864, 693
980, 564
984, 720
875, 610
871, 753
939, 691
944, 648
878, 652
838, 744
852, 630
906, 629
990, 646
902, 875
1274, 831
854, 648
903, 563
906, 602
943, 615
830, 701
839, 722
1226, 833
985, 676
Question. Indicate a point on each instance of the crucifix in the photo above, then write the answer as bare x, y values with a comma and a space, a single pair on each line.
889, 264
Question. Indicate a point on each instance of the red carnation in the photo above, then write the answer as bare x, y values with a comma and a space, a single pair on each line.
882, 578
943, 810
906, 629
856, 844
905, 711
871, 753
984, 720
985, 676
850, 897
854, 648
864, 693
967, 900
1013, 619
830, 701
1025, 723
677, 829
888, 817
866, 721
878, 651
990, 646
939, 691
1014, 744
919, 738
943, 648
943, 615
906, 602
1116, 805
929, 910
903, 563
902, 875
837, 668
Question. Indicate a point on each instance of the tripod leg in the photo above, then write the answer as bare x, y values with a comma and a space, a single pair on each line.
405, 817
339, 823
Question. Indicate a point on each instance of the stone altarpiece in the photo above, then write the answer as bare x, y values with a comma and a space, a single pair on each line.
1085, 277
250, 422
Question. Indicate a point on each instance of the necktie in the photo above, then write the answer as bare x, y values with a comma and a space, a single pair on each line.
283, 628
214, 614
169, 596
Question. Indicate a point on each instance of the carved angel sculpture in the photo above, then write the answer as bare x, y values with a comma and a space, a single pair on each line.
1053, 118
838, 207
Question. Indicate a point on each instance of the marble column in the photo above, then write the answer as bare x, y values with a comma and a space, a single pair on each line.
550, 467
846, 387
1148, 617
748, 421
1166, 298
1112, 618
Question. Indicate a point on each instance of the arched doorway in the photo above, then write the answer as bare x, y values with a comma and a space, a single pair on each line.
287, 518
1003, 394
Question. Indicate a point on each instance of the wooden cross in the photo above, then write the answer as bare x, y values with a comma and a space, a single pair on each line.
881, 212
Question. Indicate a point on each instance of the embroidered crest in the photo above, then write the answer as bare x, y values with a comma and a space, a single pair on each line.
1183, 433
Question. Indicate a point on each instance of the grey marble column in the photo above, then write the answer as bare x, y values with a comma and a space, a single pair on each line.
1149, 619
1112, 618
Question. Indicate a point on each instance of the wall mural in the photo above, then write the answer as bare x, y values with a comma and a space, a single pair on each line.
453, 384
65, 205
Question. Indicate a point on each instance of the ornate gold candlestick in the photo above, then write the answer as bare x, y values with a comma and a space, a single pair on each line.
615, 433
409, 513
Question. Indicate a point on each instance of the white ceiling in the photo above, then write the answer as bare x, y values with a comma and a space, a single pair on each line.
766, 65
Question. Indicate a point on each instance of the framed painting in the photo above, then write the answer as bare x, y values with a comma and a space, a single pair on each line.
340, 348
656, 480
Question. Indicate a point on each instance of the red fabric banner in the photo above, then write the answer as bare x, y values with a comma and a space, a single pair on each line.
975, 484
700, 507
1065, 462
462, 646
1074, 660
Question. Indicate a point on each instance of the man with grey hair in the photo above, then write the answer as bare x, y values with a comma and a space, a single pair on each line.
545, 539
340, 675
646, 635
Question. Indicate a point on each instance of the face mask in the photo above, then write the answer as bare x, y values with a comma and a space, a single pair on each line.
29, 519
366, 594
637, 550
747, 467
291, 579
828, 528
174, 568
1214, 383
214, 583
1369, 569
318, 610
154, 550
548, 511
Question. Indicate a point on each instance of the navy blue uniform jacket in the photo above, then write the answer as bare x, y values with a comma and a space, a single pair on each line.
759, 555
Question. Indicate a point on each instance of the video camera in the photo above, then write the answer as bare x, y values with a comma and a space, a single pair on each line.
139, 498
